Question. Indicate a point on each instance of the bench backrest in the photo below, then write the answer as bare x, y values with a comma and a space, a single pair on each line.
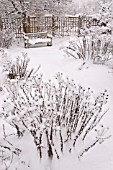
36, 35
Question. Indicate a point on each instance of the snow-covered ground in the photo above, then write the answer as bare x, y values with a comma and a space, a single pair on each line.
98, 78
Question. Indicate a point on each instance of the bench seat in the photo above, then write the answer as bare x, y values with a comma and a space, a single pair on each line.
33, 39
39, 40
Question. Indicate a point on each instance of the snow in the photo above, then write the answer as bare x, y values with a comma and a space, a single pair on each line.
98, 78
39, 40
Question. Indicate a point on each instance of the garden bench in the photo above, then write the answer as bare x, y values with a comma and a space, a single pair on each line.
34, 39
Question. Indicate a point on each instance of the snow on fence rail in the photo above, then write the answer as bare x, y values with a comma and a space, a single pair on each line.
56, 25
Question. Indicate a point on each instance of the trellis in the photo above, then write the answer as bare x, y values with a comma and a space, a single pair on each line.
55, 25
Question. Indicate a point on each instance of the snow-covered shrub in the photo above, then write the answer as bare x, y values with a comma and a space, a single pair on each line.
6, 38
103, 17
15, 68
91, 46
18, 68
56, 114
12, 68
106, 16
5, 61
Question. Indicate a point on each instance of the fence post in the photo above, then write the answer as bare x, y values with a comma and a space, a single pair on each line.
1, 23
79, 24
28, 24
53, 25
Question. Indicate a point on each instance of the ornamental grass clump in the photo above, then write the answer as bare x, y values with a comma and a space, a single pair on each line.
91, 45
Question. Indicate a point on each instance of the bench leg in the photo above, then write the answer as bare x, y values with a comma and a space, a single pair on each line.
49, 44
26, 45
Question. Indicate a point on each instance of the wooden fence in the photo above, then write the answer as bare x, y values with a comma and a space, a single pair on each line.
55, 25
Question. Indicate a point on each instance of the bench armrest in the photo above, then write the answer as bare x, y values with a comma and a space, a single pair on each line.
25, 37
26, 40
49, 36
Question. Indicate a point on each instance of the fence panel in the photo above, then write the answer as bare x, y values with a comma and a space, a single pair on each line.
55, 25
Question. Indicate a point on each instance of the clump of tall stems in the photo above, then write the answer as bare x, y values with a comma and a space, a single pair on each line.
94, 47
56, 114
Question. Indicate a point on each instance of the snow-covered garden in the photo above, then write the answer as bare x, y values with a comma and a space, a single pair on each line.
56, 101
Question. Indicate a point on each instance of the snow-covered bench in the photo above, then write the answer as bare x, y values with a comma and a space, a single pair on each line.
34, 39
